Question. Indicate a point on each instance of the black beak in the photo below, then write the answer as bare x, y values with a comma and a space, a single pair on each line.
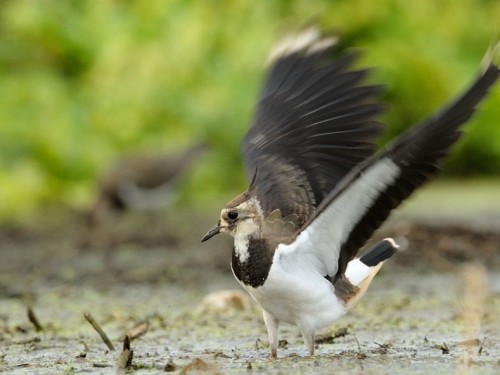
212, 232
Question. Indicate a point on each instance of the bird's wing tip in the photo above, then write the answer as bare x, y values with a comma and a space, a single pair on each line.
496, 54
310, 39
492, 56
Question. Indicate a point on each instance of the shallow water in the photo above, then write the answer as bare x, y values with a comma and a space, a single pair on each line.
400, 327
414, 319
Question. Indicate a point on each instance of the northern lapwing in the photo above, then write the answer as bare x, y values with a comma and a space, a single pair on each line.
144, 182
318, 191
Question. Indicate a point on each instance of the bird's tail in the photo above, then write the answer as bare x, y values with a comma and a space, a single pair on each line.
360, 271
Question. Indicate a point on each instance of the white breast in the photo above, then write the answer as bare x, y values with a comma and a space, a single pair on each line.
296, 294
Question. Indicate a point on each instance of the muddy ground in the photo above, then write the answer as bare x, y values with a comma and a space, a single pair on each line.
434, 308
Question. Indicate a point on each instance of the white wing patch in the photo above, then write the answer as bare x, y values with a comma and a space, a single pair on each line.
321, 241
309, 38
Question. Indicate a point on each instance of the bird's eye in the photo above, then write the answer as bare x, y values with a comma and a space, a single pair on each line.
232, 215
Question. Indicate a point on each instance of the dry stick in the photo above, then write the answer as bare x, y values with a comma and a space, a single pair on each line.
99, 330
125, 359
137, 331
33, 319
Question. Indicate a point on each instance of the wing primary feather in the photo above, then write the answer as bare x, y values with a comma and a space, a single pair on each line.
355, 96
415, 157
311, 88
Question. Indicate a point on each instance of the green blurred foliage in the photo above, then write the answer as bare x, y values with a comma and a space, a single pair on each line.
83, 82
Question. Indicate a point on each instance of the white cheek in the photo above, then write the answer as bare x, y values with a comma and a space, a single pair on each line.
246, 228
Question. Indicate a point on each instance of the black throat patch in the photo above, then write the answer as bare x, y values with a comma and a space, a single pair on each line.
254, 270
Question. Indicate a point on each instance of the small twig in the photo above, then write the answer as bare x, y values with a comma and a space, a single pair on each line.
125, 359
97, 327
29, 341
357, 342
83, 353
33, 319
329, 338
445, 349
85, 346
137, 331
100, 365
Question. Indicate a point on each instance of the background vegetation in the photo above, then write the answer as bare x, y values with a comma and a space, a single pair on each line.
83, 82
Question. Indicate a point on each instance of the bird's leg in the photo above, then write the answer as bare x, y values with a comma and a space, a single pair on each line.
308, 336
272, 325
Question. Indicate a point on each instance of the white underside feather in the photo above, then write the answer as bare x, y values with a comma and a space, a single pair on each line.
296, 290
320, 243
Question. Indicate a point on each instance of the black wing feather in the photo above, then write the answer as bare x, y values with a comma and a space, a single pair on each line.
315, 120
418, 153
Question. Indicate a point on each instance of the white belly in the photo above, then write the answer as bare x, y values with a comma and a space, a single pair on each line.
299, 296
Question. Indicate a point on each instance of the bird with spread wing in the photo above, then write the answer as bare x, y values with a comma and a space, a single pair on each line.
319, 190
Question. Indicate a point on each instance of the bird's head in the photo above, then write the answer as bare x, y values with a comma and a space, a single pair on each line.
241, 217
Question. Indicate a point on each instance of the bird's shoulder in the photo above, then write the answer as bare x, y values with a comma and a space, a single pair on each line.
280, 229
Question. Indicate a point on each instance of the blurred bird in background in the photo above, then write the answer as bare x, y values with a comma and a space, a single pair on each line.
140, 182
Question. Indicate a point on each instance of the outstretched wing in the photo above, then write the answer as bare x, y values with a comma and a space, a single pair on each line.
314, 122
362, 201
